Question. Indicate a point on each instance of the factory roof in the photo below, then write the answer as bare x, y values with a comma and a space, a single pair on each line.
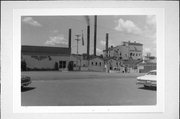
132, 43
44, 50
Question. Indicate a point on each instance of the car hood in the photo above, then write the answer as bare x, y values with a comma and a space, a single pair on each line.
147, 77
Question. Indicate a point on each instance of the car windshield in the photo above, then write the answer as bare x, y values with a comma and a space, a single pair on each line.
151, 73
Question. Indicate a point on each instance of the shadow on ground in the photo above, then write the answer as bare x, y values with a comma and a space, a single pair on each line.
148, 88
24, 89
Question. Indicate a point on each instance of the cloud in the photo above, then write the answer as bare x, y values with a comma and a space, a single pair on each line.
151, 19
128, 27
31, 21
102, 42
98, 50
146, 50
149, 30
55, 40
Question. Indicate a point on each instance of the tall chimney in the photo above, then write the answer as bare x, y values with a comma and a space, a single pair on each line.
95, 33
70, 40
107, 41
88, 41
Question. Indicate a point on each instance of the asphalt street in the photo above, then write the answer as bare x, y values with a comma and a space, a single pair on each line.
85, 89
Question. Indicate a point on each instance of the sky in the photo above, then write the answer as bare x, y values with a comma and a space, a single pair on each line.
53, 31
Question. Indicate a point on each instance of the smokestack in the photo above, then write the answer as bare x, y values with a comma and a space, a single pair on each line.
88, 35
95, 35
88, 41
107, 38
70, 40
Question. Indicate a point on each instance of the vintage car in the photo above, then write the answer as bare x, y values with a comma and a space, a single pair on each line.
25, 80
148, 80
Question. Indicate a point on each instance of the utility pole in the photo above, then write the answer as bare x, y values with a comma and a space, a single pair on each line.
107, 43
77, 39
70, 40
107, 57
95, 33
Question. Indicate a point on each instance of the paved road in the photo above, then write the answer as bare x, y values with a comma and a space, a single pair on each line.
85, 88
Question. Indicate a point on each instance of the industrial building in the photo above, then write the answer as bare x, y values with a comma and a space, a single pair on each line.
55, 58
126, 51
122, 58
45, 58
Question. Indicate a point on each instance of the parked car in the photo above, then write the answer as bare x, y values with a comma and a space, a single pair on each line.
148, 80
25, 80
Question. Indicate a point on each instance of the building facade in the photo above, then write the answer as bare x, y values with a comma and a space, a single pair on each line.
55, 58
126, 51
96, 64
45, 58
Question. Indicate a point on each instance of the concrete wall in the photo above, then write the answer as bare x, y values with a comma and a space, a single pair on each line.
136, 51
96, 64
119, 51
45, 63
115, 65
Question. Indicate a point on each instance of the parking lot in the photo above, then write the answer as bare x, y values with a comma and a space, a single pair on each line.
85, 88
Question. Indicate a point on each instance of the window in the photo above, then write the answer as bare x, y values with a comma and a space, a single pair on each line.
62, 64
151, 73
99, 63
96, 63
131, 54
91, 63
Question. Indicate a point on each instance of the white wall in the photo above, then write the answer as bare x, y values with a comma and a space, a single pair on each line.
97, 67
44, 63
